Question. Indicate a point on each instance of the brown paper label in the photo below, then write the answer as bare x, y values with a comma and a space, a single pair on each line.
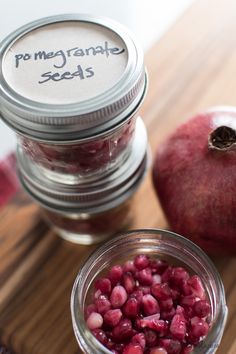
65, 63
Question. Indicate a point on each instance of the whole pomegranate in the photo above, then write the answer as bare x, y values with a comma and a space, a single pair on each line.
194, 175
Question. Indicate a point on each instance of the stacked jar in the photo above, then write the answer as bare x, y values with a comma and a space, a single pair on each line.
71, 87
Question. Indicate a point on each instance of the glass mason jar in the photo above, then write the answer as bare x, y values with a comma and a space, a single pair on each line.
90, 212
71, 86
165, 245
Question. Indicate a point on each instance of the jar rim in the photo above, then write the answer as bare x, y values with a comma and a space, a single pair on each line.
58, 121
159, 237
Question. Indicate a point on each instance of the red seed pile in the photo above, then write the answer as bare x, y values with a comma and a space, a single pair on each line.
148, 306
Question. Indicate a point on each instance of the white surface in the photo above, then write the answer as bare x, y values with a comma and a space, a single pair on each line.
147, 19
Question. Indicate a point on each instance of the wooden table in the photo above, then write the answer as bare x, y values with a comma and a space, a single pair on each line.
192, 67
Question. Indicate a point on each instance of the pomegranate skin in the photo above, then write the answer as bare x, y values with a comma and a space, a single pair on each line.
196, 182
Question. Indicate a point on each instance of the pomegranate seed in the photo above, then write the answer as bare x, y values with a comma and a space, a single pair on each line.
115, 274
151, 337
138, 295
103, 304
112, 317
156, 279
129, 267
188, 349
131, 308
178, 327
157, 325
189, 300
94, 320
202, 308
100, 335
89, 309
128, 282
150, 305
144, 276
122, 331
141, 261
179, 275
168, 315
166, 305
199, 327
119, 347
96, 295
158, 266
158, 350
167, 275
118, 296
145, 290
196, 286
139, 339
161, 291
133, 349
173, 346
104, 285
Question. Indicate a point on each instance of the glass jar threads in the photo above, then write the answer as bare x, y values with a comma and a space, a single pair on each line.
89, 212
71, 86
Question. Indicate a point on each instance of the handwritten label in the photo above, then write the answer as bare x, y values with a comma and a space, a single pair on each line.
65, 63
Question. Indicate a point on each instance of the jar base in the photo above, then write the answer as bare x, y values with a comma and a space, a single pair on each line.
81, 239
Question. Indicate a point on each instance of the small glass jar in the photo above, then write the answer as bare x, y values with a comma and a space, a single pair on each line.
165, 245
90, 212
71, 86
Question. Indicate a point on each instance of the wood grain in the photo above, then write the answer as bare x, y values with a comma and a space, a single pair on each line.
192, 67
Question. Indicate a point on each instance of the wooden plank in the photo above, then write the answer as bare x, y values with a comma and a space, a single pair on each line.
192, 67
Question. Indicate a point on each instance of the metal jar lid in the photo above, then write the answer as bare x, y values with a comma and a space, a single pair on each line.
70, 76
101, 195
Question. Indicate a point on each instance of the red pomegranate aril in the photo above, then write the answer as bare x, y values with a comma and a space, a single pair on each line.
128, 282
161, 291
112, 317
158, 350
118, 296
196, 286
89, 309
151, 337
178, 327
168, 315
141, 261
131, 308
187, 349
150, 305
179, 275
156, 279
133, 349
115, 274
145, 277
157, 325
166, 305
199, 327
201, 308
139, 339
100, 335
189, 300
104, 285
96, 294
122, 331
103, 304
166, 276
145, 290
172, 346
129, 267
158, 266
94, 320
